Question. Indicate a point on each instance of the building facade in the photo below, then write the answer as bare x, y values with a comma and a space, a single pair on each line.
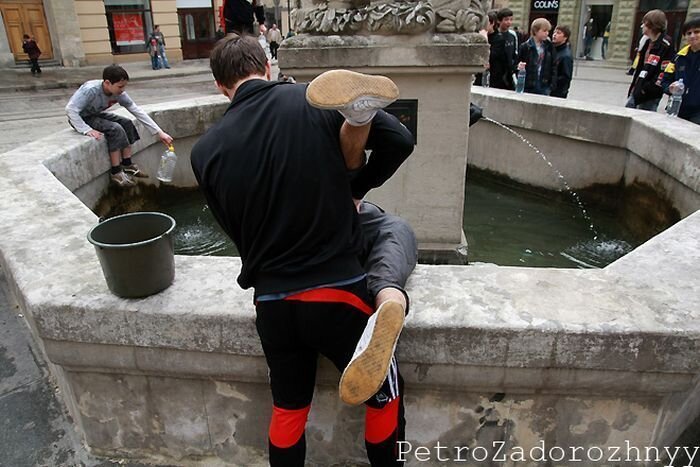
93, 32
80, 32
622, 19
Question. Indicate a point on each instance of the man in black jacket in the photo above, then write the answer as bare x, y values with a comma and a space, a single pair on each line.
239, 15
504, 51
287, 203
563, 62
645, 92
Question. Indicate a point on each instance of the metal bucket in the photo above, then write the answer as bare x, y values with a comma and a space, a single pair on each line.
136, 252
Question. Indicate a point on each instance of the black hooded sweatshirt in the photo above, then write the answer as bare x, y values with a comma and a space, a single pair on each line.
274, 177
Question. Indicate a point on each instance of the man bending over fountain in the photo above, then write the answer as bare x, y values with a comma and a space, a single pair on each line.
86, 114
286, 202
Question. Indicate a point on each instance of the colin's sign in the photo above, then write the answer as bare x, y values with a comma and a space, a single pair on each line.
545, 5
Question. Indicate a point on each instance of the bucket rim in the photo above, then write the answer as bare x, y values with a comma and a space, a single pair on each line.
135, 244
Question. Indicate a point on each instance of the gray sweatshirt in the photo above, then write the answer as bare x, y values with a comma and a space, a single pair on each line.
90, 100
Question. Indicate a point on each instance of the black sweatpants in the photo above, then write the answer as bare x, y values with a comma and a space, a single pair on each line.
293, 332
119, 132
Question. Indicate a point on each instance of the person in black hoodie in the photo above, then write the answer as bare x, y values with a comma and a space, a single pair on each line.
563, 62
287, 203
239, 15
32, 50
645, 92
504, 51
537, 59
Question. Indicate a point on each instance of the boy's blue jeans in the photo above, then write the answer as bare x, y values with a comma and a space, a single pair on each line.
163, 57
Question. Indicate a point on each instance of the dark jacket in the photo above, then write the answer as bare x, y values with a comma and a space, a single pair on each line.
274, 177
685, 66
564, 68
528, 54
653, 59
502, 59
31, 48
242, 12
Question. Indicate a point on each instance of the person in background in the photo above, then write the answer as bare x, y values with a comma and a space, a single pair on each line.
86, 114
536, 57
645, 91
606, 38
274, 37
239, 16
686, 66
32, 50
589, 32
563, 62
487, 32
504, 51
152, 47
159, 39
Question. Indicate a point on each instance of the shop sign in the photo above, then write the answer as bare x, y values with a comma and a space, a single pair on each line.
549, 5
128, 28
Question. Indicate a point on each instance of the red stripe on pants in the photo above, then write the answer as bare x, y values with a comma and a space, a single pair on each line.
332, 296
287, 426
381, 423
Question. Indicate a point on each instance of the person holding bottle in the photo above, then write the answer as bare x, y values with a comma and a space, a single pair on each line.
86, 114
536, 58
686, 68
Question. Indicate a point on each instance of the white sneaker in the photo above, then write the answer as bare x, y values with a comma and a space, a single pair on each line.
369, 365
355, 95
122, 179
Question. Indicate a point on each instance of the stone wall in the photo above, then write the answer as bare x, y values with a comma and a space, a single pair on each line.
622, 30
6, 57
65, 32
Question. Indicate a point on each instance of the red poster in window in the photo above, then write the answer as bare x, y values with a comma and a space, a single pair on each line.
128, 28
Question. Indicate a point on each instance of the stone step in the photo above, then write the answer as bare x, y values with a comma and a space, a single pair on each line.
42, 63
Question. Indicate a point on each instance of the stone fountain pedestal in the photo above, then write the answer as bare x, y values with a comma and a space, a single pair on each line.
434, 74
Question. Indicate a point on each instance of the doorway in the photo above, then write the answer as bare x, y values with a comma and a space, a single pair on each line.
600, 11
26, 17
197, 31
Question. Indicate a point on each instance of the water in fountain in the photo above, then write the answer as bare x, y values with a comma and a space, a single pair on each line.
559, 175
513, 224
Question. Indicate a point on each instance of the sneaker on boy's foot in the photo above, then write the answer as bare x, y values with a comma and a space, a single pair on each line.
133, 170
355, 95
122, 179
369, 365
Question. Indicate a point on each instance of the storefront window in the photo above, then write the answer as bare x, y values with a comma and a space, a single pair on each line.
129, 23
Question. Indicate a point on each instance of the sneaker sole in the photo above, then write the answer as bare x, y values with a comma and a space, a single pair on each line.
366, 373
336, 89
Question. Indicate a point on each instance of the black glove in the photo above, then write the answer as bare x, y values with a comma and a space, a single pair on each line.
475, 113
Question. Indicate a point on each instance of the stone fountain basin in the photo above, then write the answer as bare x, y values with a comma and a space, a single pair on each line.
589, 357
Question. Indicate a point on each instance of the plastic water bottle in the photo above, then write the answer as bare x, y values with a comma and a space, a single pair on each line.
674, 102
486, 79
167, 165
520, 84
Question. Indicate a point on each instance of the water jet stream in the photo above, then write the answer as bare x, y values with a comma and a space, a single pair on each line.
561, 178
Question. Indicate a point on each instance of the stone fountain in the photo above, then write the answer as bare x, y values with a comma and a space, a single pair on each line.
558, 358
431, 50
